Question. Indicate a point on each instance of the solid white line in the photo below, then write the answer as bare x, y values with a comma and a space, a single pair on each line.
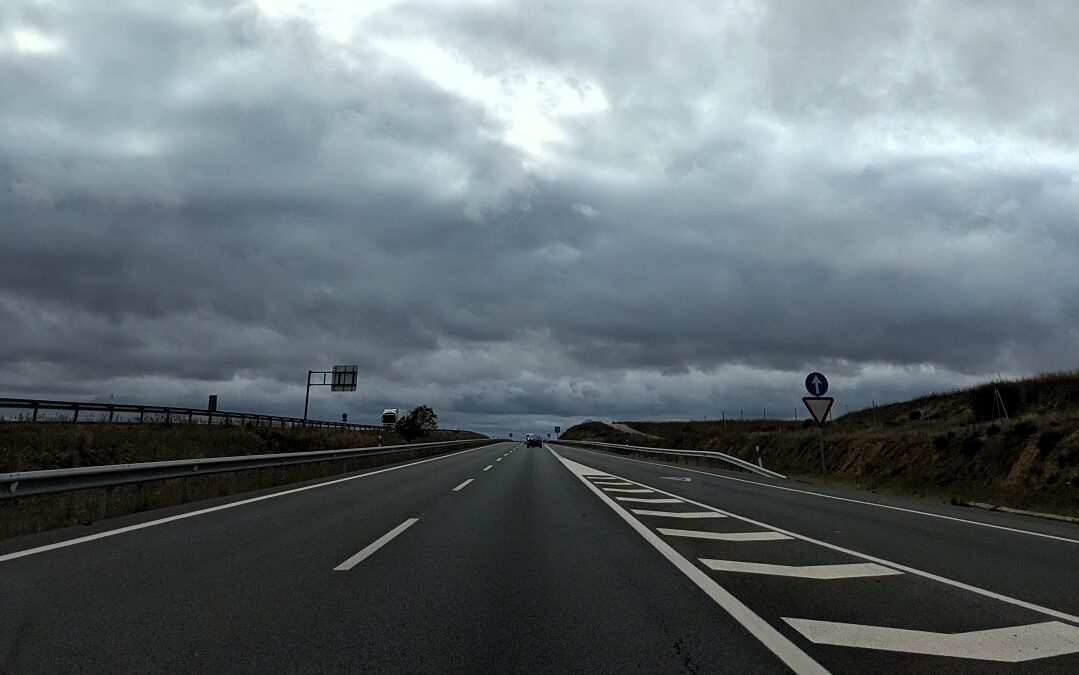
724, 536
675, 514
607, 489
780, 645
844, 571
374, 546
651, 500
608, 483
191, 514
848, 499
864, 556
462, 485
488, 467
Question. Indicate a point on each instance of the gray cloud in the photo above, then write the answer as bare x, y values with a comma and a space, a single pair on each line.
206, 198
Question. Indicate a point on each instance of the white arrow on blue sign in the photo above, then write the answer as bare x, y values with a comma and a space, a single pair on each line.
816, 384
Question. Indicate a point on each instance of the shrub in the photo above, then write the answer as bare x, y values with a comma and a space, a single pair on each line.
1047, 441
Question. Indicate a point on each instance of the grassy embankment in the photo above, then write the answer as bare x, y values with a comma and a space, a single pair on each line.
26, 446
955, 445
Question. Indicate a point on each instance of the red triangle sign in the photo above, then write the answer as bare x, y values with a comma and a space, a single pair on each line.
819, 407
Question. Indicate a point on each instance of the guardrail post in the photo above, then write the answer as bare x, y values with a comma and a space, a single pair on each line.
33, 418
110, 413
190, 416
76, 417
168, 415
142, 411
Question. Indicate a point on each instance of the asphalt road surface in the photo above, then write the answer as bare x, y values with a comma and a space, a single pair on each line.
511, 559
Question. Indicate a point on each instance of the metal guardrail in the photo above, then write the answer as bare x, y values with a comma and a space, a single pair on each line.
741, 463
22, 483
169, 413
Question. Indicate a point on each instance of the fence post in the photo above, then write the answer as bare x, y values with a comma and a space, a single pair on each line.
168, 417
33, 417
142, 411
110, 413
76, 417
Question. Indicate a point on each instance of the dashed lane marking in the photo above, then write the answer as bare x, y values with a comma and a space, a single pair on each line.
488, 467
865, 556
853, 501
368, 550
650, 500
462, 485
677, 514
1010, 645
780, 645
638, 490
724, 536
844, 571
191, 514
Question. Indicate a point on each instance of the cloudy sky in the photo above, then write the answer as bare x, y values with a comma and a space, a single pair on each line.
528, 213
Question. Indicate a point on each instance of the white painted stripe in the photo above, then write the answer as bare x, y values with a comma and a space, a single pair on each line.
639, 490
374, 546
212, 509
676, 514
613, 483
651, 500
462, 485
776, 642
724, 536
488, 467
1009, 645
848, 499
844, 571
499, 459
864, 556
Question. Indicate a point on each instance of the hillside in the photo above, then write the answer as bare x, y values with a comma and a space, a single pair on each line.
955, 445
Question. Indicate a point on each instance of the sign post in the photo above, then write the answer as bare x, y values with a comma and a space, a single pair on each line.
819, 406
341, 378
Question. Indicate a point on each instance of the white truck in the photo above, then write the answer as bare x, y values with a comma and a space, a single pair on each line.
390, 417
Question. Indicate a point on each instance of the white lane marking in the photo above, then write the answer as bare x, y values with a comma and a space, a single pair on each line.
681, 478
844, 571
462, 485
612, 483
853, 501
780, 645
724, 536
499, 459
638, 490
221, 507
488, 467
865, 556
676, 514
1010, 645
651, 500
374, 546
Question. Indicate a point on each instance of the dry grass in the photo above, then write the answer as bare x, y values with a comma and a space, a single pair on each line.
948, 446
26, 446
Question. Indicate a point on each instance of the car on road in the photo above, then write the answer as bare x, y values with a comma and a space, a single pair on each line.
533, 440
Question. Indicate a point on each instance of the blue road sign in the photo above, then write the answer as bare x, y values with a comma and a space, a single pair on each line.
816, 384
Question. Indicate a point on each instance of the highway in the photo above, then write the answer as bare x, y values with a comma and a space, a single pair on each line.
545, 560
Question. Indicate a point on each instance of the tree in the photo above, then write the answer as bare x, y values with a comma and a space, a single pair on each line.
418, 422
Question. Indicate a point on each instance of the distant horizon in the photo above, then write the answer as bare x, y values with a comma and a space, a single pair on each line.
636, 213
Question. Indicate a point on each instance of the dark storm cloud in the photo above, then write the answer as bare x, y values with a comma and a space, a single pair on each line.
199, 198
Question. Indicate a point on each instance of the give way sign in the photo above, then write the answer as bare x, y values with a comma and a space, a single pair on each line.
819, 407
